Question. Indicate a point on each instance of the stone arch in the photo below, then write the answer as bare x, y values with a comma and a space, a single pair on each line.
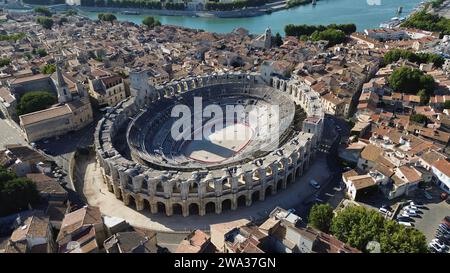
290, 178
226, 204
131, 201
279, 185
159, 187
210, 207
146, 204
177, 208
194, 209
161, 207
241, 201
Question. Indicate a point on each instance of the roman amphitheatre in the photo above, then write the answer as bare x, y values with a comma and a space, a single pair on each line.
149, 170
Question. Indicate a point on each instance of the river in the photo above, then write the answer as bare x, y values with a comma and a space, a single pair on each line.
360, 12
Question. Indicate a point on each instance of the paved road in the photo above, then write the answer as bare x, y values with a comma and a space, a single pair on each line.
10, 134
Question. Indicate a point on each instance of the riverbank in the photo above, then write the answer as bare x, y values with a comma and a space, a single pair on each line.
325, 12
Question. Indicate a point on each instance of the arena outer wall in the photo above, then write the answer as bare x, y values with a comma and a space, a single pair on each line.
202, 191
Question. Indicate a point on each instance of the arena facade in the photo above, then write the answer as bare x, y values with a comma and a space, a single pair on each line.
143, 165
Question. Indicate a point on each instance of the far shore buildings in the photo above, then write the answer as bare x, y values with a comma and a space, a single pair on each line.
72, 112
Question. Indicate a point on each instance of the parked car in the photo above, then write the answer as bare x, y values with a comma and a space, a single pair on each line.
446, 220
411, 212
404, 218
441, 245
383, 210
408, 224
412, 207
436, 247
416, 204
314, 184
444, 227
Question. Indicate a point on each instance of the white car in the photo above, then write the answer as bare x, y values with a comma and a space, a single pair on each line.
411, 212
440, 245
314, 184
408, 224
384, 211
415, 204
436, 247
412, 207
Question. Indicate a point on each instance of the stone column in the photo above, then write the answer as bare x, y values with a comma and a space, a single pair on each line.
185, 209
218, 207
139, 203
153, 208
169, 209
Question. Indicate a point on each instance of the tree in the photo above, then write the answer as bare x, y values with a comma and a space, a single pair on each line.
40, 51
424, 97
320, 217
277, 40
15, 193
419, 118
357, 226
43, 10
151, 22
4, 61
396, 54
447, 104
48, 69
62, 21
35, 101
411, 81
333, 36
45, 22
107, 17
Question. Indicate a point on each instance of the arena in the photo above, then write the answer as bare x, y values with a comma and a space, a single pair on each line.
203, 171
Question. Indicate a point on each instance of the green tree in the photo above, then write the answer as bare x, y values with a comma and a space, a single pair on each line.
35, 101
151, 22
16, 193
411, 81
320, 217
277, 40
447, 104
48, 69
4, 61
40, 51
45, 22
43, 10
424, 97
107, 17
333, 36
419, 118
357, 226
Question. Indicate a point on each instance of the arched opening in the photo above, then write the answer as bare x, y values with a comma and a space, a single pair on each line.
210, 207
255, 196
177, 209
159, 187
161, 207
289, 179
146, 204
269, 190
131, 202
226, 204
279, 185
241, 201
193, 209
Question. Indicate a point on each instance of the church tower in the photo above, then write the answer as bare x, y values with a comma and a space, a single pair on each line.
62, 88
268, 38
